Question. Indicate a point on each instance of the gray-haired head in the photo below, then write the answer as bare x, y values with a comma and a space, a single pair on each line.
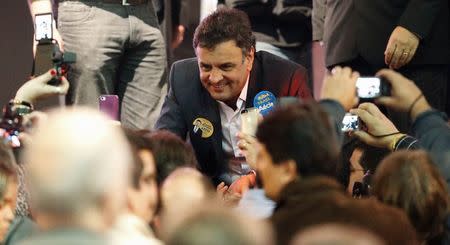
78, 165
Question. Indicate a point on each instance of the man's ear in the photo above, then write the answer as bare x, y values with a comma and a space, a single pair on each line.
250, 56
290, 170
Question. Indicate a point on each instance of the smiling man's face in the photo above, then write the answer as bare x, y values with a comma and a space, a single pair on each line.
224, 70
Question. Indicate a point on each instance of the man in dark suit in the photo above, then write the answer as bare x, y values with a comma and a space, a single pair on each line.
409, 36
208, 94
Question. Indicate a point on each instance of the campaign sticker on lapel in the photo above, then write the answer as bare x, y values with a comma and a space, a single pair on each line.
204, 125
264, 101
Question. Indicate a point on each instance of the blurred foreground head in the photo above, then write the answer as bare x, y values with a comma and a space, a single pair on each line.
182, 192
297, 141
211, 224
78, 170
336, 234
410, 181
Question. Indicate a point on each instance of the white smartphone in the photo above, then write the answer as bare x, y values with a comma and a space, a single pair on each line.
43, 29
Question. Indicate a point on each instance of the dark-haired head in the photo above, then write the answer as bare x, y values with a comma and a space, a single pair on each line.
296, 141
301, 132
225, 25
171, 152
409, 180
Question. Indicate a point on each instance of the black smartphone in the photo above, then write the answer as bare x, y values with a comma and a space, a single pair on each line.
43, 32
350, 123
369, 88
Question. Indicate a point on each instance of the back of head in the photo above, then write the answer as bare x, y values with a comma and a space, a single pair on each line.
170, 152
186, 186
336, 234
211, 225
387, 222
225, 25
78, 165
409, 180
321, 200
301, 132
184, 189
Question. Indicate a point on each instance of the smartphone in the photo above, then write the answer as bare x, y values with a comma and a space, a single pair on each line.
43, 59
109, 104
43, 29
350, 123
372, 87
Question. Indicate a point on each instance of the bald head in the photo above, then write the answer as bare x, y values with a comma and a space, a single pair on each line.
185, 186
182, 190
212, 224
78, 162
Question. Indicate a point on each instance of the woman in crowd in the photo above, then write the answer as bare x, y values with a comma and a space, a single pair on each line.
409, 180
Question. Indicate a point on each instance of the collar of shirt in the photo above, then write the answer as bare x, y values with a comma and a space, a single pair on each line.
231, 124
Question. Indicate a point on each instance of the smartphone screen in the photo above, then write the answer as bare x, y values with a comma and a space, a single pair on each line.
109, 104
350, 123
368, 87
43, 27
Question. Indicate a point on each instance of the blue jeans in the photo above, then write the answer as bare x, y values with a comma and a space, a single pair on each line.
120, 50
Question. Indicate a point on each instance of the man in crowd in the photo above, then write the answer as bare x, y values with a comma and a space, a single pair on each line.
293, 174
78, 171
369, 35
119, 49
208, 93
280, 28
132, 227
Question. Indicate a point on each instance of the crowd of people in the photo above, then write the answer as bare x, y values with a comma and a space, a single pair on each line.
73, 175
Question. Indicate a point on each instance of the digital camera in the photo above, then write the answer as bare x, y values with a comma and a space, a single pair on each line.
369, 88
350, 123
11, 123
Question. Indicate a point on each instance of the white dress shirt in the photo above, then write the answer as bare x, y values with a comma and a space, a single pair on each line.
231, 124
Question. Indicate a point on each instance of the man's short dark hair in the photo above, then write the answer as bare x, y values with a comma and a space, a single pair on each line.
224, 25
170, 152
139, 140
301, 132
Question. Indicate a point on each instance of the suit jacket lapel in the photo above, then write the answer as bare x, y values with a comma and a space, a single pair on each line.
254, 82
211, 112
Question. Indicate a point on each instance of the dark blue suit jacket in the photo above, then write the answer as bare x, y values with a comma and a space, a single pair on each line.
187, 100
363, 27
